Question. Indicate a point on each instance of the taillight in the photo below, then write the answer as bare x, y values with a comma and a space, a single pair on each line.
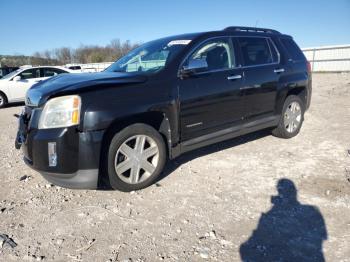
308, 64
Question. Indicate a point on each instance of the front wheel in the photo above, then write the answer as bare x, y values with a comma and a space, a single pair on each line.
291, 119
3, 100
136, 157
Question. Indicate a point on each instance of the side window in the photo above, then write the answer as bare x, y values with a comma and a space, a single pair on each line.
48, 72
74, 67
217, 54
292, 49
255, 50
30, 73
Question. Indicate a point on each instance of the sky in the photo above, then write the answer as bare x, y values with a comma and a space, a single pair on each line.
39, 25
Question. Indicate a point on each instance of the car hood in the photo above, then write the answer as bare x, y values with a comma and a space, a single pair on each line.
75, 83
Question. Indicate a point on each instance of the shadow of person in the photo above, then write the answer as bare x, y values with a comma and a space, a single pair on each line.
289, 231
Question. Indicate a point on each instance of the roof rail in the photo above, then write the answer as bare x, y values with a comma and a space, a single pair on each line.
251, 29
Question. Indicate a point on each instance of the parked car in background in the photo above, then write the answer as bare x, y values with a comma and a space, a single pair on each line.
74, 67
13, 86
164, 98
6, 70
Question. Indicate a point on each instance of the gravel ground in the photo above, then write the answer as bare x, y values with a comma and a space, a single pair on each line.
213, 204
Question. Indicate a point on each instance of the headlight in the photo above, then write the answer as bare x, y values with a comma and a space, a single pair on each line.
61, 112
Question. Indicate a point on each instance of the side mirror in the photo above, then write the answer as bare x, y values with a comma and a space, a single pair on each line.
194, 65
16, 78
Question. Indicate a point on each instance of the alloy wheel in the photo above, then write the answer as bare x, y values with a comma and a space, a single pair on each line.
292, 117
136, 159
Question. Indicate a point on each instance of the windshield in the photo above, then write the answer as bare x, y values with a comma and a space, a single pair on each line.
150, 57
11, 74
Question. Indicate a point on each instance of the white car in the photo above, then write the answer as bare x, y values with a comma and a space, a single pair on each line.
13, 87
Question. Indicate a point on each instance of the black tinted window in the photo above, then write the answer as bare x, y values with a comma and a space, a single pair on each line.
48, 72
30, 73
292, 49
75, 67
255, 50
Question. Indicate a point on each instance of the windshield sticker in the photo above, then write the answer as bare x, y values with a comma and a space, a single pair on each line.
179, 42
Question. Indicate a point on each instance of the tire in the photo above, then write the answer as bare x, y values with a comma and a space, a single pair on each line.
131, 165
284, 128
3, 100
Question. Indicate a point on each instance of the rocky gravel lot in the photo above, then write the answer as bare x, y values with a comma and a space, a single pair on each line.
213, 204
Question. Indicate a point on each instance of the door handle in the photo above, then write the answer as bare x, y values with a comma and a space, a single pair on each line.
234, 77
279, 70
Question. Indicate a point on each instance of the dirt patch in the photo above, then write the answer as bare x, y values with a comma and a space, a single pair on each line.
331, 188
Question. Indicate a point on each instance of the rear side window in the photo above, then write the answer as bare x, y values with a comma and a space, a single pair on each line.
292, 49
255, 50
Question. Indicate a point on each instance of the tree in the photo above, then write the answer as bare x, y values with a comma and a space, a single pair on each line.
65, 55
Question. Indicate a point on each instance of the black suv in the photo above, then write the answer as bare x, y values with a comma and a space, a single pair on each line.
162, 99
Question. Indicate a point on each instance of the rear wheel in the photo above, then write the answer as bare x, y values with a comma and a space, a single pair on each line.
3, 100
136, 157
291, 119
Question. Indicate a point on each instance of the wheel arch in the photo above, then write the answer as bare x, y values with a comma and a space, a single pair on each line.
156, 119
4, 93
5, 96
300, 91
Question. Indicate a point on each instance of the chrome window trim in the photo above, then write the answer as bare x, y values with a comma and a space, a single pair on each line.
260, 65
216, 71
276, 49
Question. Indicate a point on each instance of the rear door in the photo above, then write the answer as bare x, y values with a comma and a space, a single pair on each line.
261, 76
210, 100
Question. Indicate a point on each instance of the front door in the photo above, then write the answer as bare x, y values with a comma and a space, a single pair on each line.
28, 78
210, 100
